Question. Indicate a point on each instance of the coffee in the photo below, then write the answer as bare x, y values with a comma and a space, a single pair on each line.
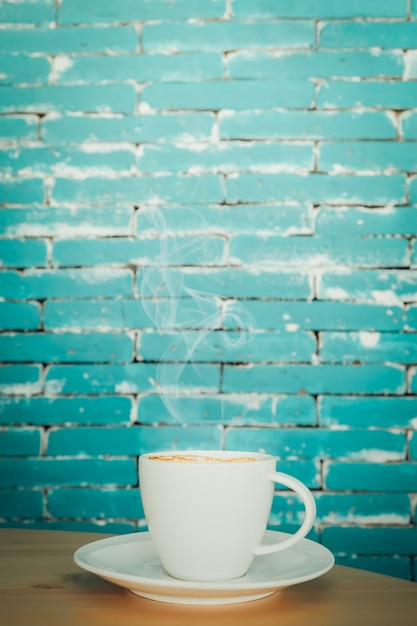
197, 458
207, 510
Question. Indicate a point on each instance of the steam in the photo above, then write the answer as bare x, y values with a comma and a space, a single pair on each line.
190, 316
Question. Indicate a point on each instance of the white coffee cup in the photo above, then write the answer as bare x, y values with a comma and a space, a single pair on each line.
207, 511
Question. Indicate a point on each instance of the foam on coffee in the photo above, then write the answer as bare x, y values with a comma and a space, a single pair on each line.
197, 458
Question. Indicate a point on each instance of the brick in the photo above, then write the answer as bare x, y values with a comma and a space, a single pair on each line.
313, 443
66, 347
317, 250
21, 503
306, 470
53, 221
94, 503
228, 94
413, 191
414, 254
144, 67
371, 476
156, 409
60, 40
20, 442
239, 409
313, 379
75, 11
409, 125
181, 438
226, 347
77, 472
141, 128
374, 541
365, 412
89, 98
23, 379
76, 283
71, 526
225, 157
361, 508
23, 69
188, 250
319, 316
410, 60
287, 511
369, 35
139, 189
371, 156
320, 64
130, 441
27, 12
94, 441
19, 315
91, 314
396, 566
24, 191
177, 37
132, 314
378, 190
368, 347
286, 523
23, 253
411, 318
318, 9
380, 94
384, 286
19, 128
234, 282
413, 446
306, 124
285, 219
363, 221
127, 378
413, 380
64, 160
75, 410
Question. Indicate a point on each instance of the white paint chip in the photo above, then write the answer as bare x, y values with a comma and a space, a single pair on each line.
410, 65
386, 296
369, 339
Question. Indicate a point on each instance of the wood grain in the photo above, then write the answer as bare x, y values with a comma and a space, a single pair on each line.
41, 586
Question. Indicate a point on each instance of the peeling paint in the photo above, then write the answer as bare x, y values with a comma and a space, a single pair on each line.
92, 147
377, 455
386, 297
126, 387
410, 69
369, 339
55, 387
24, 389
292, 328
60, 65
357, 518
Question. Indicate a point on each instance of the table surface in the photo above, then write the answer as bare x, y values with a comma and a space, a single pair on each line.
41, 585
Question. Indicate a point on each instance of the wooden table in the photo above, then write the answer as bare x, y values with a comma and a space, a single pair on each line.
41, 585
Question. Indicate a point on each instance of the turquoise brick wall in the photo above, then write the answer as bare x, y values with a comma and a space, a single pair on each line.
173, 173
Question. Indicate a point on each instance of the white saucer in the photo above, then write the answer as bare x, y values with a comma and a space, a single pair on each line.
131, 561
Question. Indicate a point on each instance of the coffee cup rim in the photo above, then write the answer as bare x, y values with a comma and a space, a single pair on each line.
233, 454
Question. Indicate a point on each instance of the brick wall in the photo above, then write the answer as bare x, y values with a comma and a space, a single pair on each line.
173, 172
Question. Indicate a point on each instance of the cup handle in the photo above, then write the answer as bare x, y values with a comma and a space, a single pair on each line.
310, 513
